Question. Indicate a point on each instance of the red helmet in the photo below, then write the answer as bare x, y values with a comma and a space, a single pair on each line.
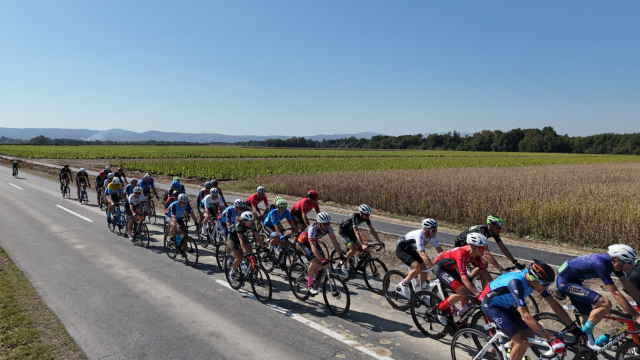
312, 194
102, 173
120, 169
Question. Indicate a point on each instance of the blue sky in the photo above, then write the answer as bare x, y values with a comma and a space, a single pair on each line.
309, 67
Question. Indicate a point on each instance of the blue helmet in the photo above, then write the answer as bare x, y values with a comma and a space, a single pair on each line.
175, 183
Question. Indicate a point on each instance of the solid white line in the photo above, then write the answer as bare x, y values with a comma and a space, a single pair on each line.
311, 324
74, 213
16, 186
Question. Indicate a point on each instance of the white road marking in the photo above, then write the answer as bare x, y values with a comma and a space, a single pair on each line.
311, 324
75, 213
16, 186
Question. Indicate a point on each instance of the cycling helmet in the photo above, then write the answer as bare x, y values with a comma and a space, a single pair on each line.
183, 198
247, 215
111, 176
542, 272
175, 184
208, 185
281, 203
238, 202
365, 209
622, 252
495, 221
133, 181
429, 224
82, 170
116, 181
214, 182
277, 198
66, 165
476, 239
137, 189
146, 176
261, 190
176, 178
323, 218
214, 192
102, 173
107, 168
312, 194
174, 192
120, 169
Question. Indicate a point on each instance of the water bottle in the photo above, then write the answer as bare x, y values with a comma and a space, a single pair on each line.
303, 258
276, 250
178, 239
602, 340
243, 267
415, 283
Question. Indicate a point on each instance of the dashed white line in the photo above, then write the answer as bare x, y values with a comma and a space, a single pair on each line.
16, 186
75, 213
312, 324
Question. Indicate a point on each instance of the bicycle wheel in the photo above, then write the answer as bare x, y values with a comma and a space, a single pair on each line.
261, 284
144, 235
235, 283
190, 252
554, 324
426, 316
152, 212
391, 288
336, 295
67, 192
83, 198
221, 254
203, 240
122, 222
110, 223
464, 346
627, 350
170, 246
298, 281
373, 274
289, 258
266, 259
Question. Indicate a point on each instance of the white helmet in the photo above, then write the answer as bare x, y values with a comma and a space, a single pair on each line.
107, 168
238, 202
476, 239
82, 170
183, 198
137, 190
323, 218
214, 192
429, 223
247, 215
261, 190
622, 252
111, 176
116, 181
365, 209
146, 176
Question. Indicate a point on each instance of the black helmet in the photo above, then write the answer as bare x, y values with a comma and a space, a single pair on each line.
542, 271
214, 182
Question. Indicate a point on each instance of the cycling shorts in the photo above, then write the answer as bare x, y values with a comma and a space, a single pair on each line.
167, 219
115, 198
306, 250
298, 220
348, 238
449, 278
127, 210
508, 319
581, 297
233, 242
271, 230
408, 255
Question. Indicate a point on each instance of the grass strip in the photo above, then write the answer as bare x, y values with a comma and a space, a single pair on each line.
28, 328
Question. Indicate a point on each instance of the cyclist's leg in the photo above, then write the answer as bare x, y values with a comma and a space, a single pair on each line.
78, 185
583, 299
129, 216
233, 246
412, 259
511, 324
445, 271
349, 241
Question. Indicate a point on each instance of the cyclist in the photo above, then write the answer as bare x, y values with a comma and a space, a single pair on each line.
120, 175
411, 250
128, 190
15, 166
65, 176
238, 243
255, 199
136, 203
201, 195
108, 180
214, 182
147, 186
115, 193
99, 181
175, 185
173, 216
572, 273
212, 204
272, 222
451, 269
172, 196
107, 170
492, 228
301, 208
307, 243
350, 233
82, 180
228, 216
503, 300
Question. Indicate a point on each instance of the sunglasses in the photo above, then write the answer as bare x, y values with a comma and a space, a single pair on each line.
479, 247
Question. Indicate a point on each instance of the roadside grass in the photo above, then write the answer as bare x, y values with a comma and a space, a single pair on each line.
28, 329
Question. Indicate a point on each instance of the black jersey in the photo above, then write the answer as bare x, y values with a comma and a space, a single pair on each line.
351, 223
461, 240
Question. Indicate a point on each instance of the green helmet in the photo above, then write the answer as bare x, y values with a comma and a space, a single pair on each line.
495, 221
281, 203
176, 178
277, 198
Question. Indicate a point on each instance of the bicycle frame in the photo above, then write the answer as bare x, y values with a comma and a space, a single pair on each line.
500, 337
628, 329
431, 283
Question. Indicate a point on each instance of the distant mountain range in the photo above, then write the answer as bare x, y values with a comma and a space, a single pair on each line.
125, 135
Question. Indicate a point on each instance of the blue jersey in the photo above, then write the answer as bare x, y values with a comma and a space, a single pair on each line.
273, 218
588, 267
177, 210
229, 215
508, 290
128, 189
146, 185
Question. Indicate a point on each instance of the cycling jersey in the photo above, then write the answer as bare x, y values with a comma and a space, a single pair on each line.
180, 188
461, 258
99, 181
119, 175
209, 202
64, 173
417, 240
273, 218
82, 177
233, 241
313, 233
106, 183
349, 225
136, 200
177, 210
146, 185
634, 275
509, 289
461, 240
304, 206
588, 267
15, 164
128, 190
229, 215
113, 188
255, 199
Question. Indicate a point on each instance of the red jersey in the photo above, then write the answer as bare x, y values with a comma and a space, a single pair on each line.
462, 258
255, 199
304, 206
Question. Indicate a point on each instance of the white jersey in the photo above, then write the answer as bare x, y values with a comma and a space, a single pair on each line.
208, 202
418, 240
133, 200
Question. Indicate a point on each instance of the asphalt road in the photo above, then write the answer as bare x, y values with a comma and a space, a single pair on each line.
120, 301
